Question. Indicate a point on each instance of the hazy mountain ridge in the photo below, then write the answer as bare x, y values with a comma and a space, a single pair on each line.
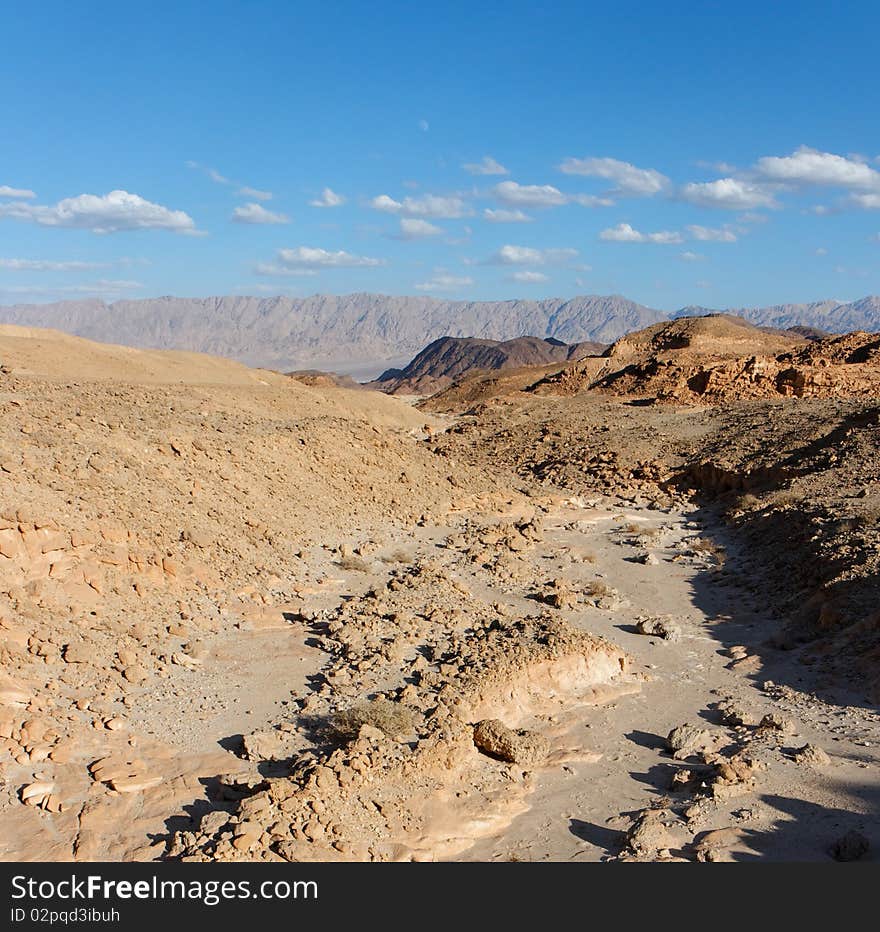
318, 331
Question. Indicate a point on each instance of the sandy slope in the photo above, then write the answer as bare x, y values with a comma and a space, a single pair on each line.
197, 579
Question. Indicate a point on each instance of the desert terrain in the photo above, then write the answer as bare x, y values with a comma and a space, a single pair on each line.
613, 607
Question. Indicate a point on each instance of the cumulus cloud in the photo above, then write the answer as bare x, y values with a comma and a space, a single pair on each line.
487, 166
590, 200
328, 198
305, 260
688, 256
866, 201
506, 216
728, 194
627, 178
624, 233
529, 278
6, 191
48, 265
541, 196
528, 255
108, 213
711, 235
412, 228
427, 206
255, 213
806, 166
444, 282
254, 194
529, 195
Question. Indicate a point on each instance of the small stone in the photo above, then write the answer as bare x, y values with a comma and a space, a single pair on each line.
850, 847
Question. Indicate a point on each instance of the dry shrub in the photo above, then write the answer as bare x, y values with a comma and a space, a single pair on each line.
784, 498
748, 502
708, 548
357, 564
398, 556
641, 530
869, 514
396, 720
596, 589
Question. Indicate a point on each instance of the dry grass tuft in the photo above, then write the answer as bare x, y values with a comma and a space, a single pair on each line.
356, 564
396, 720
398, 556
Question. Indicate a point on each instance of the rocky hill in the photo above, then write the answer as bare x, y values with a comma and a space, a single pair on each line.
447, 359
721, 358
829, 316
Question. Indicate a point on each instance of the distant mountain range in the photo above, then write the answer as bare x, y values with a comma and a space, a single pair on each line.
348, 331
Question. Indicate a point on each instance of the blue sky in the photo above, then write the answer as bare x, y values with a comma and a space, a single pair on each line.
677, 153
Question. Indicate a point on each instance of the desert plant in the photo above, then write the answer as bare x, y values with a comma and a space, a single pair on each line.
398, 556
783, 498
708, 548
354, 563
394, 719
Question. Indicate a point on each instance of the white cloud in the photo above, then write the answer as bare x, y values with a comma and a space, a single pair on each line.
328, 198
506, 216
529, 278
411, 228
628, 178
529, 195
272, 268
590, 200
308, 259
6, 191
866, 201
728, 194
711, 235
542, 196
688, 256
752, 217
624, 233
424, 126
807, 166
443, 282
488, 166
254, 194
255, 213
108, 213
48, 265
821, 251
102, 287
428, 205
527, 255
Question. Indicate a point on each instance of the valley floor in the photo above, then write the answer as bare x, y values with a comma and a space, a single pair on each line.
611, 768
